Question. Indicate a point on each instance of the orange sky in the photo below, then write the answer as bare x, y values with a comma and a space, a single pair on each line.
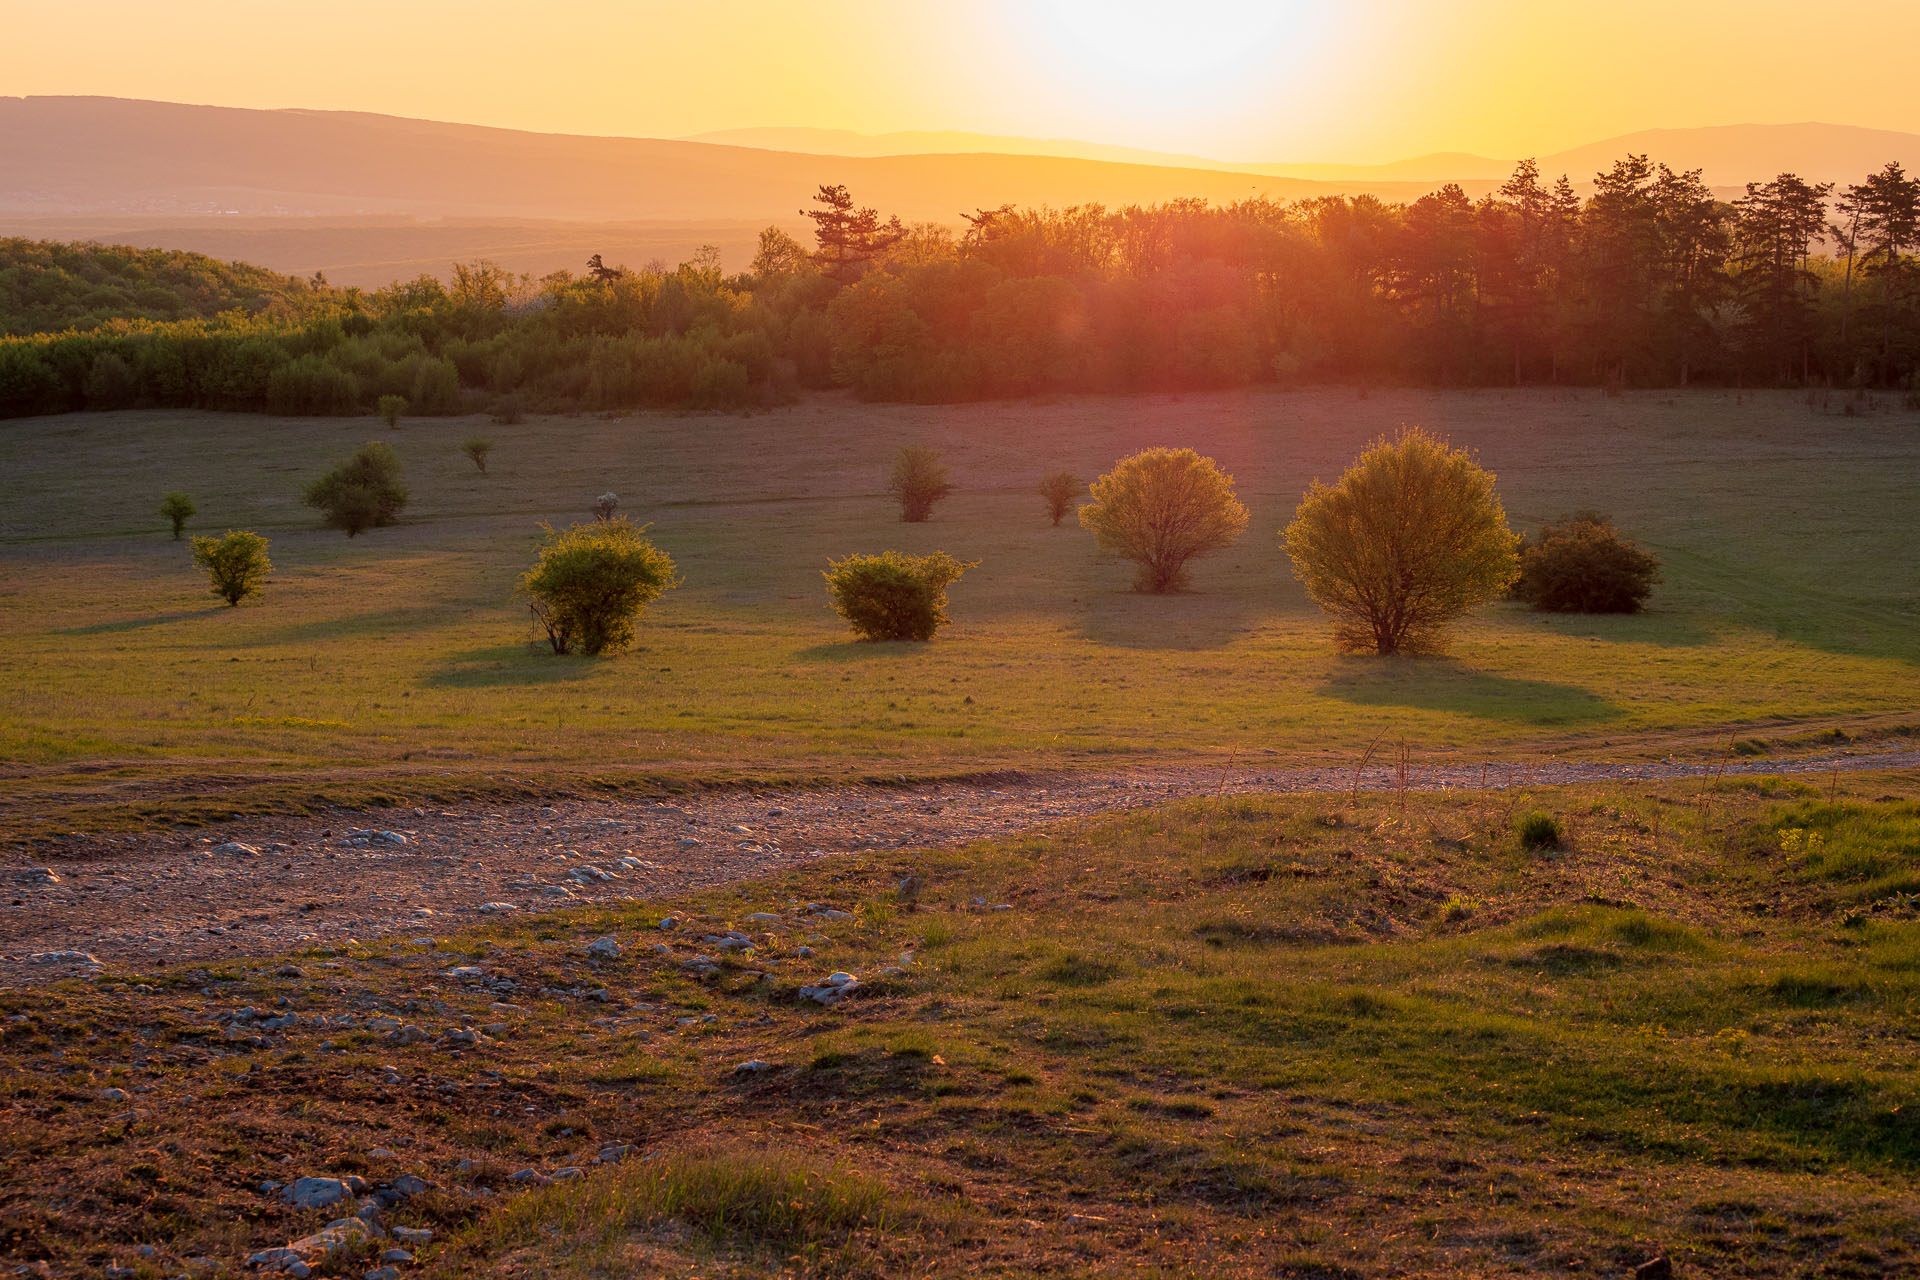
1279, 80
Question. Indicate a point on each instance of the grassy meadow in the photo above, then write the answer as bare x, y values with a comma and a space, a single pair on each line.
401, 660
1309, 1037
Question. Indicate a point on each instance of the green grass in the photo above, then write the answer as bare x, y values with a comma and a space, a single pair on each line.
401, 660
1225, 1038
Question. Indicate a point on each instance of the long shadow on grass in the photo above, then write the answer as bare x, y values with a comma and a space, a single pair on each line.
137, 624
385, 622
1183, 620
508, 664
1656, 627
1435, 684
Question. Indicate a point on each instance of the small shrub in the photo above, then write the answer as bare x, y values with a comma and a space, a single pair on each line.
1538, 830
1162, 508
391, 407
508, 411
893, 596
236, 563
364, 492
605, 505
178, 508
477, 448
1582, 565
919, 480
1059, 490
591, 583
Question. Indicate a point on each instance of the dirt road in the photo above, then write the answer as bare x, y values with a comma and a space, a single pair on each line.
261, 886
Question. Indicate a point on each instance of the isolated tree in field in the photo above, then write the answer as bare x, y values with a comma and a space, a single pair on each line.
391, 407
1581, 564
591, 583
178, 508
364, 492
477, 448
1411, 537
1162, 508
605, 505
236, 563
893, 596
1059, 490
919, 480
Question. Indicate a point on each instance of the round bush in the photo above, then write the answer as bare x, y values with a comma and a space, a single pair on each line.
364, 492
591, 583
1583, 565
236, 563
893, 596
1161, 508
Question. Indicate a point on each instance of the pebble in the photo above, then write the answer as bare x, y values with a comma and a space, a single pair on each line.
607, 948
369, 836
752, 1067
234, 848
318, 1193
113, 1095
496, 908
415, 1236
63, 957
37, 875
381, 1273
614, 1152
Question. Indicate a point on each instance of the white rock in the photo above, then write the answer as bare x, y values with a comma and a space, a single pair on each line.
496, 908
607, 948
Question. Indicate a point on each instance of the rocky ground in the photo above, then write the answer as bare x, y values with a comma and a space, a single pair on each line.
259, 887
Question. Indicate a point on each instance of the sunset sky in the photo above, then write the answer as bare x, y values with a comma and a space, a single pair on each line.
1285, 80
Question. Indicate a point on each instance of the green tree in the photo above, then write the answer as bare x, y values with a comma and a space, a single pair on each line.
920, 479
178, 508
364, 492
236, 563
849, 239
893, 596
391, 407
1162, 508
1778, 223
1059, 491
1411, 537
477, 448
1582, 564
591, 583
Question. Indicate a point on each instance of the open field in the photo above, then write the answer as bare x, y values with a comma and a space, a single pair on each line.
1307, 1036
398, 664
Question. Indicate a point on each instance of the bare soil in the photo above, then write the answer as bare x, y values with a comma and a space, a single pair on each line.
140, 900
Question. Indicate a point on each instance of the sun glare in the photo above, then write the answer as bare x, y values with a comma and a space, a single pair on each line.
1131, 42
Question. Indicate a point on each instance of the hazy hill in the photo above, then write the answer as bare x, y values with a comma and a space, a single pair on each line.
1736, 154
371, 198
66, 156
1450, 166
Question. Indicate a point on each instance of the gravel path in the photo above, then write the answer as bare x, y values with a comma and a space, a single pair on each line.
262, 886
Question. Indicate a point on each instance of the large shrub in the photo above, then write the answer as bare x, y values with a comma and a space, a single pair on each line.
1581, 564
1411, 537
236, 563
364, 492
919, 480
1163, 508
893, 596
591, 582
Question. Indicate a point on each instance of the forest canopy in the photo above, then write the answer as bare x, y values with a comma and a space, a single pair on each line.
1648, 281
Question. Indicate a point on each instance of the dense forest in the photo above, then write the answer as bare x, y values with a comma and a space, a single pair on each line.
1648, 281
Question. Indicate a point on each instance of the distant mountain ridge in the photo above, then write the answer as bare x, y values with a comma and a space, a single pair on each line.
371, 198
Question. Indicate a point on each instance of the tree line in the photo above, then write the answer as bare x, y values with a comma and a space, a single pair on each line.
1651, 280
